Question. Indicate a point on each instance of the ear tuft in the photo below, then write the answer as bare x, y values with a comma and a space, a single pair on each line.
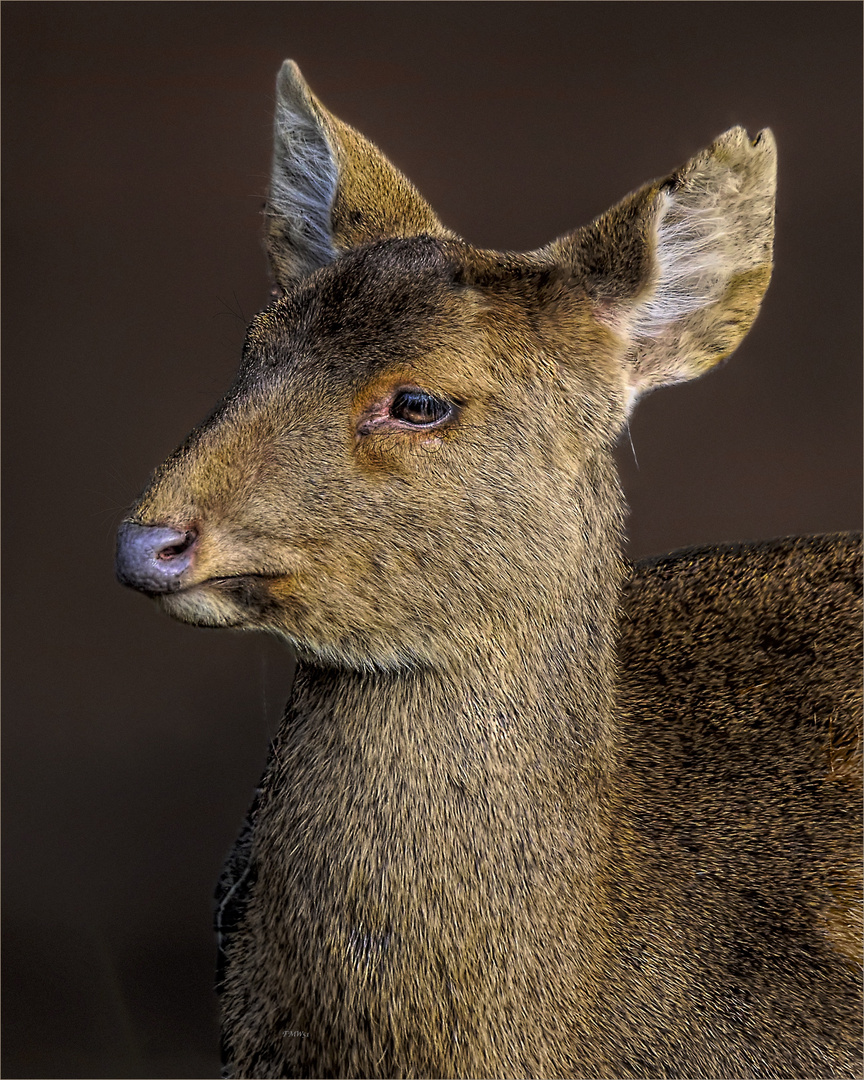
303, 181
714, 223
331, 189
679, 268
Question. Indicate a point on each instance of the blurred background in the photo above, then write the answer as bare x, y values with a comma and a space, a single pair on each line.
136, 151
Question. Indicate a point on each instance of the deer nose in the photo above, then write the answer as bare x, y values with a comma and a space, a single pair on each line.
153, 558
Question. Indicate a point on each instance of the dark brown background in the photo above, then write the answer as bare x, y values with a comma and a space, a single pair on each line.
136, 150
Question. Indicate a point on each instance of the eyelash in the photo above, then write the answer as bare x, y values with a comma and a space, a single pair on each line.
418, 408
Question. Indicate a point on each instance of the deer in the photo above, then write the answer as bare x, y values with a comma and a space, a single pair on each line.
533, 810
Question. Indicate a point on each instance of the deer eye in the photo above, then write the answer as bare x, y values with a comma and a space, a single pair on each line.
419, 408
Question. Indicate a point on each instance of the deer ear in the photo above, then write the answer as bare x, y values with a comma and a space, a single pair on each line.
679, 268
330, 189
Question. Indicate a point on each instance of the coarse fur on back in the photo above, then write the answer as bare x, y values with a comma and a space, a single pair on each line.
532, 810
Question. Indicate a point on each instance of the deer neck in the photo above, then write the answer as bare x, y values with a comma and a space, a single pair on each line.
452, 820
494, 764
533, 704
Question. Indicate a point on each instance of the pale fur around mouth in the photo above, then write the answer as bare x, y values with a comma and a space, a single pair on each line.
233, 600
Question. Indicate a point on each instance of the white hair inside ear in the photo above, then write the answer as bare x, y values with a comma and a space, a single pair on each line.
691, 265
304, 175
692, 271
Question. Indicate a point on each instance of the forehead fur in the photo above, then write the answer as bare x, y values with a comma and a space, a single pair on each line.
365, 298
402, 301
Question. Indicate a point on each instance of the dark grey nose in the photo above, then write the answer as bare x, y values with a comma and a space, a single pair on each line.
153, 558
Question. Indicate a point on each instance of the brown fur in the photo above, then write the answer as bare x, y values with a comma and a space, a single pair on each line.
531, 812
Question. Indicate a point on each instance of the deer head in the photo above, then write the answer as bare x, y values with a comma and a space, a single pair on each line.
415, 462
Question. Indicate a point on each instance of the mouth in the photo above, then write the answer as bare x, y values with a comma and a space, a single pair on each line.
233, 600
232, 581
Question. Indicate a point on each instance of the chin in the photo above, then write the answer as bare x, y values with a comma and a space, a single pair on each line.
203, 606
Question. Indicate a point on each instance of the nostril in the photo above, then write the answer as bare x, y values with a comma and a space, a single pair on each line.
154, 558
171, 551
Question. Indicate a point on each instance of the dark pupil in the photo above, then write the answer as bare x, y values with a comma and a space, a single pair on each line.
415, 407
